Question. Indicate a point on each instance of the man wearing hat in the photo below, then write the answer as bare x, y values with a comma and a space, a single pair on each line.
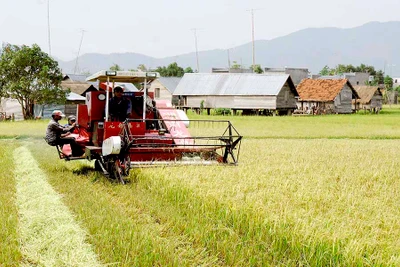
57, 134
120, 107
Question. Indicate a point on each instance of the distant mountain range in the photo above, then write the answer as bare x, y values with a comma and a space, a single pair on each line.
374, 43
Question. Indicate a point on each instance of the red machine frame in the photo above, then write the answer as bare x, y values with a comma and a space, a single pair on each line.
156, 136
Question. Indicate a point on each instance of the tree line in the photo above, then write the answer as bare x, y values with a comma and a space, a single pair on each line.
379, 76
172, 70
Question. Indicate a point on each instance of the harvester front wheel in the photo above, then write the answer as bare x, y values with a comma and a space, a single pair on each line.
117, 171
97, 166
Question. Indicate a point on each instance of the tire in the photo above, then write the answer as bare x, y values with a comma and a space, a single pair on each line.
97, 166
117, 171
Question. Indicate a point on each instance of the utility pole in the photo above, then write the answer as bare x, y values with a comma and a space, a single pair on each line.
252, 37
197, 53
229, 61
48, 25
79, 50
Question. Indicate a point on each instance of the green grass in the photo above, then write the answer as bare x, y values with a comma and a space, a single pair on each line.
122, 227
308, 191
49, 235
10, 254
23, 129
353, 126
319, 206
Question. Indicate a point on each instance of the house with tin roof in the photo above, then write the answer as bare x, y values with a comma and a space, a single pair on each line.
164, 87
326, 95
371, 98
237, 91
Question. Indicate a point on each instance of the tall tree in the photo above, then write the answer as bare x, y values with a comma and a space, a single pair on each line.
189, 70
236, 65
325, 71
378, 78
341, 68
388, 82
257, 69
173, 70
142, 67
115, 67
30, 76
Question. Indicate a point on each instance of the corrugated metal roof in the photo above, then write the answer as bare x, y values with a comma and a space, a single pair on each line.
170, 82
76, 77
72, 96
232, 84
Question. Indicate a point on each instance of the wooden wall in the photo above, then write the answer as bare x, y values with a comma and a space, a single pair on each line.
234, 102
286, 98
343, 101
164, 93
376, 101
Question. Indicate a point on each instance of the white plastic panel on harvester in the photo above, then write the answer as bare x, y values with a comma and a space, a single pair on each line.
184, 117
111, 145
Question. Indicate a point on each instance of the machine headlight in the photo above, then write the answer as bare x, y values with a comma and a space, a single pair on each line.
111, 73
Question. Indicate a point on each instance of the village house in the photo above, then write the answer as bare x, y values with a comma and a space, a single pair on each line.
371, 98
326, 96
297, 74
163, 88
355, 78
237, 91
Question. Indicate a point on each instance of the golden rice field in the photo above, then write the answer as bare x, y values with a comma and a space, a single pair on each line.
308, 191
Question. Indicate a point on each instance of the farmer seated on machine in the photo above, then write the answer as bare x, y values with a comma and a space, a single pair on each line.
58, 135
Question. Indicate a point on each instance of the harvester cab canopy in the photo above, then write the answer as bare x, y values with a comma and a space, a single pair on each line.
123, 76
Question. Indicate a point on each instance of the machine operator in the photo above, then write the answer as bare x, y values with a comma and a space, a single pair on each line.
120, 107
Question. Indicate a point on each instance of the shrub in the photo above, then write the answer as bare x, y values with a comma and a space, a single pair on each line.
222, 111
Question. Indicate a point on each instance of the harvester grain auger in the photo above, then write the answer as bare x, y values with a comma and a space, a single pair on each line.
154, 133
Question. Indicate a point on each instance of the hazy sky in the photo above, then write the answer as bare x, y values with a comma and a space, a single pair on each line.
161, 28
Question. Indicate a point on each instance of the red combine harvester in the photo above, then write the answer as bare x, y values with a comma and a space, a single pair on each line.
153, 134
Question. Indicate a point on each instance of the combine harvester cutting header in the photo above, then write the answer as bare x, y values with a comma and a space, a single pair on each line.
154, 132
